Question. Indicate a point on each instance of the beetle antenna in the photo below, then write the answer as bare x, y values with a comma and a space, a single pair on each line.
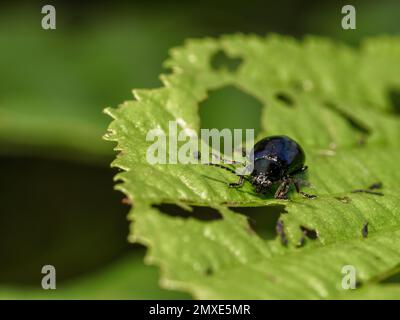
220, 166
226, 160
197, 155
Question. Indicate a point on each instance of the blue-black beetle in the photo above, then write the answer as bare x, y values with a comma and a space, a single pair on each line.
277, 159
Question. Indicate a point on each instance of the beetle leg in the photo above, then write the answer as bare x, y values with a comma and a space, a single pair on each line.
282, 190
305, 195
237, 184
220, 166
297, 186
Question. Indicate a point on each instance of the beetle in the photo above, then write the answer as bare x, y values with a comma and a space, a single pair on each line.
276, 160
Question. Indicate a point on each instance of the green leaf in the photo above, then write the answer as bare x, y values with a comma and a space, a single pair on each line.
342, 112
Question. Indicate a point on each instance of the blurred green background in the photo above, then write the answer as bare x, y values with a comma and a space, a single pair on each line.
57, 203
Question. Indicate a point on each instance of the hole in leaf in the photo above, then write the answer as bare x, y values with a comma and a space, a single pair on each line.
353, 122
395, 278
376, 185
309, 233
220, 60
199, 213
370, 189
230, 108
286, 99
375, 193
262, 220
364, 230
394, 98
